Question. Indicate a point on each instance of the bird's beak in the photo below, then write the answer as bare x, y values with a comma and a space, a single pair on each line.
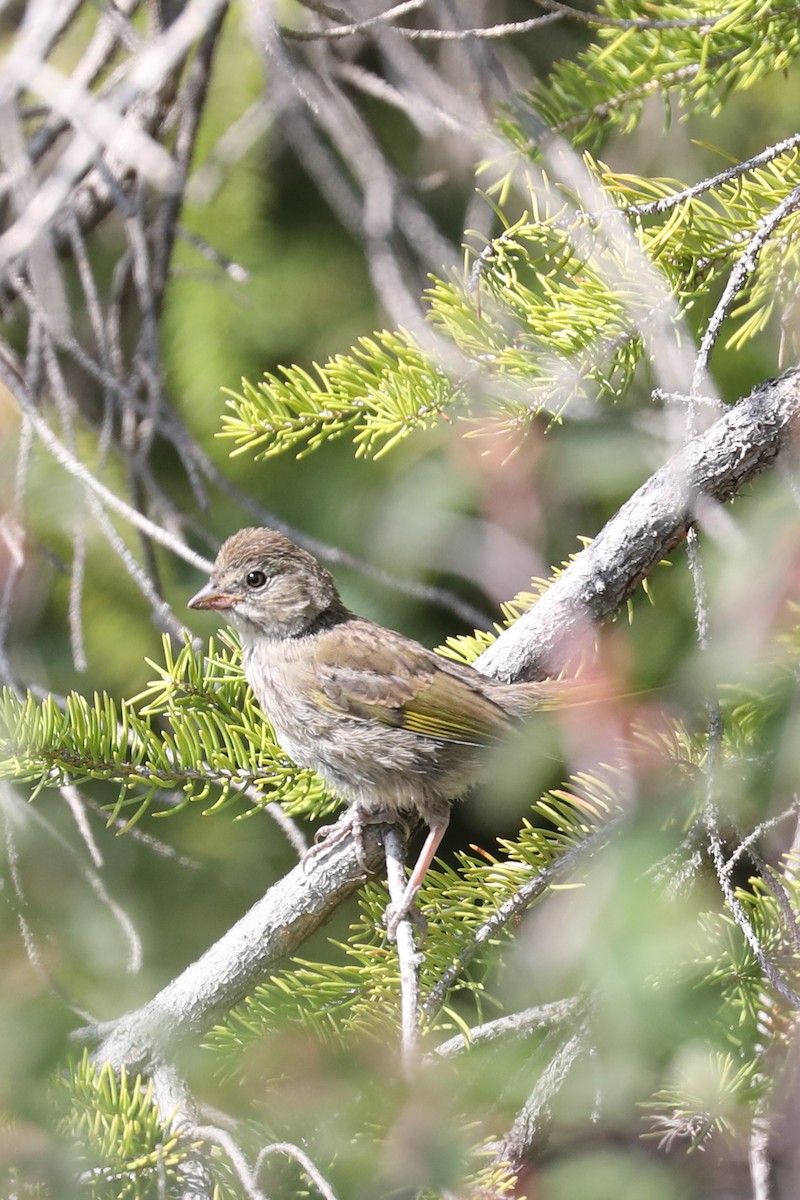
211, 597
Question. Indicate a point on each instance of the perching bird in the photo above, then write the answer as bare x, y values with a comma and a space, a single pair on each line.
390, 726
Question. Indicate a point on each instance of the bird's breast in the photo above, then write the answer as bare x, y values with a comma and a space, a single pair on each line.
362, 761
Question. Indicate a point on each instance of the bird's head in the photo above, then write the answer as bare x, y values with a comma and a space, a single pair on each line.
268, 586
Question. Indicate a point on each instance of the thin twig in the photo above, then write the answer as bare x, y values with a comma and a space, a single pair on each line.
738, 278
153, 844
772, 974
13, 809
746, 844
342, 31
515, 1025
290, 828
407, 957
528, 1127
11, 539
110, 122
665, 203
81, 472
506, 29
291, 1151
234, 1154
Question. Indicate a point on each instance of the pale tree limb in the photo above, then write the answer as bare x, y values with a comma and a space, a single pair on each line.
758, 1153
273, 929
713, 467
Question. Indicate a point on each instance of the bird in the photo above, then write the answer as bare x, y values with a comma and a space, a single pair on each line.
391, 727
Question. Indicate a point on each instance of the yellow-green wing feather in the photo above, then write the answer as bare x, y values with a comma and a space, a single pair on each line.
398, 683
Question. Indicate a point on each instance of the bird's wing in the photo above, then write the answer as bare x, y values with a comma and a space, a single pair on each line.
396, 682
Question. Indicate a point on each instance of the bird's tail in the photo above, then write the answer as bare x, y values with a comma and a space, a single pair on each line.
552, 694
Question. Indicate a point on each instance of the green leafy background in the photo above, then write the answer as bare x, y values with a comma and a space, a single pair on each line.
399, 485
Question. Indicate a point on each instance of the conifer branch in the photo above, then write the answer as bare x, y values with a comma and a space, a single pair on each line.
713, 182
738, 278
605, 20
533, 889
699, 62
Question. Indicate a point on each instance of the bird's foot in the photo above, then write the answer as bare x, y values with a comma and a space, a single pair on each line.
395, 913
351, 823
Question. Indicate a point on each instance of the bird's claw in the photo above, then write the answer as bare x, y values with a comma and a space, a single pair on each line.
325, 838
352, 822
395, 913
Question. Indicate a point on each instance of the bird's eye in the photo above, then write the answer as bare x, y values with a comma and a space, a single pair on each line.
255, 579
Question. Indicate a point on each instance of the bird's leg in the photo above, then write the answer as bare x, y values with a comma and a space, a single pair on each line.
396, 912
